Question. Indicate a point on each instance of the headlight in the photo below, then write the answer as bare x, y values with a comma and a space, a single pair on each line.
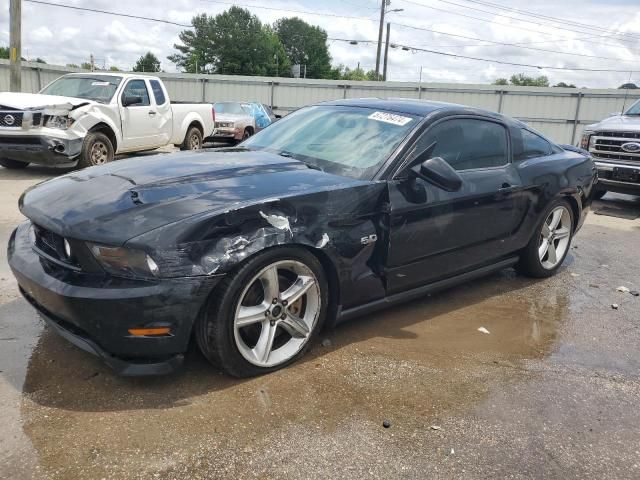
224, 124
61, 122
124, 262
586, 139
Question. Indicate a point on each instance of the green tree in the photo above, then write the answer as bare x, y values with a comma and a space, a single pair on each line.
234, 42
523, 80
631, 86
501, 81
4, 52
147, 63
39, 60
565, 85
85, 66
113, 68
305, 44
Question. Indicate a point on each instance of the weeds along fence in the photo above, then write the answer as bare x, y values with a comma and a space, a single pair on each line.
560, 113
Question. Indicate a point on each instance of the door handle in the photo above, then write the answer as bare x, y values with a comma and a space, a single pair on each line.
507, 188
152, 113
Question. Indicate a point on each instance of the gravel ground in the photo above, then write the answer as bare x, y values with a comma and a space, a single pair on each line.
553, 391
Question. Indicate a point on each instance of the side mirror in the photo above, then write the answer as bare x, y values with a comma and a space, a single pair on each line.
129, 100
438, 172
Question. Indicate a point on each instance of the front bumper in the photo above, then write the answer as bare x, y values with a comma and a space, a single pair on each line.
41, 149
95, 312
607, 179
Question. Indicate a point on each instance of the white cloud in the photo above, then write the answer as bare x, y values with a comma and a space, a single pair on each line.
66, 36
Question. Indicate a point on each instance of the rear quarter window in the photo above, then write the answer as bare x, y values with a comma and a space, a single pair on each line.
531, 145
158, 93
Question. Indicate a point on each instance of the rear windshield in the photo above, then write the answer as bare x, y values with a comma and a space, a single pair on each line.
229, 107
99, 88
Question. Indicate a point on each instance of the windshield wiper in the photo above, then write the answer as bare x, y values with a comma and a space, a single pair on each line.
285, 154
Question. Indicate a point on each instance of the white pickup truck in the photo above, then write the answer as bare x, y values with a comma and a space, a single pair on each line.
85, 119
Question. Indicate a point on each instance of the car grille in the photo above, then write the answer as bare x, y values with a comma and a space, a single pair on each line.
52, 245
10, 119
609, 145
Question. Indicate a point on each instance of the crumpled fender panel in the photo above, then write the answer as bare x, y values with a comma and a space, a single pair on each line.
332, 222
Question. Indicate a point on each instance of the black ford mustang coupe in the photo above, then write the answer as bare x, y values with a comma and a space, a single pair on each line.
334, 211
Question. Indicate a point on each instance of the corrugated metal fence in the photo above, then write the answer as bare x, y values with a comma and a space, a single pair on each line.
560, 113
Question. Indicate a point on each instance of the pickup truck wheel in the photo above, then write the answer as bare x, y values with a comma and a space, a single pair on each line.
550, 242
193, 140
96, 150
264, 315
12, 164
247, 133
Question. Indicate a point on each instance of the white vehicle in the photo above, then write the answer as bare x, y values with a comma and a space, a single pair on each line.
84, 119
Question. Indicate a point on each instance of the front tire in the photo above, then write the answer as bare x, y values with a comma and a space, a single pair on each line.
97, 149
13, 164
264, 315
550, 242
193, 139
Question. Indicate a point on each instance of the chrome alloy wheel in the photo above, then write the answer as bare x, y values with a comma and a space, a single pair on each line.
277, 313
99, 153
194, 142
555, 237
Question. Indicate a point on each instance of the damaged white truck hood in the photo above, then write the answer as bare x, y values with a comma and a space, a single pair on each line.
37, 101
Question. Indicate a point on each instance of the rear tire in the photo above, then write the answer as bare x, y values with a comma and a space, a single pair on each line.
13, 164
97, 149
193, 140
550, 242
246, 332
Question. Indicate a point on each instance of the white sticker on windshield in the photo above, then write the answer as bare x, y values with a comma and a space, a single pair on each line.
100, 84
390, 118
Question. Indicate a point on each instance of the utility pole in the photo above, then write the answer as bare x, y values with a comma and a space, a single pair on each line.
383, 7
386, 54
93, 63
15, 45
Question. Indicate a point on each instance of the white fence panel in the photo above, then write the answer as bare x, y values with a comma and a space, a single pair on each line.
560, 113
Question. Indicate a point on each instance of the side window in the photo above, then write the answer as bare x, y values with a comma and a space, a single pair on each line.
137, 88
468, 143
533, 146
158, 93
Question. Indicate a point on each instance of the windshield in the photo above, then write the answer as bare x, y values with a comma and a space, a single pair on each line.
229, 107
634, 109
99, 88
350, 141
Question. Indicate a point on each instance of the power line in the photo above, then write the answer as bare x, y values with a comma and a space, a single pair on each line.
502, 62
526, 13
519, 27
105, 12
307, 12
512, 44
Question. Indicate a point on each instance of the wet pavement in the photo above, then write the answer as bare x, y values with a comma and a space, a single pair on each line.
552, 391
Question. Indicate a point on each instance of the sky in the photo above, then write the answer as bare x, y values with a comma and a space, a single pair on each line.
609, 30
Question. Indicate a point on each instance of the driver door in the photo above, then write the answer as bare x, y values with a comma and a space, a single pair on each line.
434, 234
138, 128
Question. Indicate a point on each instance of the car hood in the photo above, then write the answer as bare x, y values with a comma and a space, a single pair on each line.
36, 101
114, 203
617, 122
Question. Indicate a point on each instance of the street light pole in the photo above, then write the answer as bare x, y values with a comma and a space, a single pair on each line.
15, 47
383, 7
386, 54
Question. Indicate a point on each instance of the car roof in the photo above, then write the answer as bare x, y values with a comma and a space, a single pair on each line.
415, 107
110, 74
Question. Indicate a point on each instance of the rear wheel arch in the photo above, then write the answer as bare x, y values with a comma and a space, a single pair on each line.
576, 209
